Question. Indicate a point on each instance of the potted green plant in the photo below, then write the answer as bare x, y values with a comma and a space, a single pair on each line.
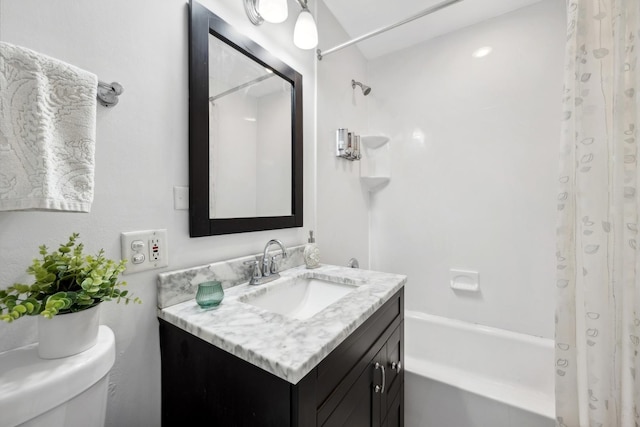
66, 282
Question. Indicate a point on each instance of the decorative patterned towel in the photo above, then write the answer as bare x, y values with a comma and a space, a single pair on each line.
47, 132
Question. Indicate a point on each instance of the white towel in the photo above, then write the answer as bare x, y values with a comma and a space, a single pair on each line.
47, 132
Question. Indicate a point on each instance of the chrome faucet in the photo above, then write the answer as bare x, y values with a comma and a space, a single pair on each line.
269, 266
269, 269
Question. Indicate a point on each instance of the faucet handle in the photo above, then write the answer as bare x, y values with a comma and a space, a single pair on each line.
255, 273
273, 268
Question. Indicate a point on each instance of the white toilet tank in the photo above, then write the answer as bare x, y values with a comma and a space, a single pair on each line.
67, 392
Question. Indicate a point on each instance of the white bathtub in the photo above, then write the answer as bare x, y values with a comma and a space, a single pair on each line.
459, 374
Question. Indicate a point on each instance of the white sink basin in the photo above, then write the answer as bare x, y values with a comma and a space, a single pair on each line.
299, 298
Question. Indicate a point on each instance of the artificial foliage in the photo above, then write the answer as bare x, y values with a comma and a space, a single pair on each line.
66, 281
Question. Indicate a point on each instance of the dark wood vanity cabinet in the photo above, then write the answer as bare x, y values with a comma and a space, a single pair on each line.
204, 385
367, 403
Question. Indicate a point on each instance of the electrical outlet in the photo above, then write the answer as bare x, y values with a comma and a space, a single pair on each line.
144, 250
154, 249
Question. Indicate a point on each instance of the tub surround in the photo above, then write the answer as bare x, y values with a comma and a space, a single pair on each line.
283, 346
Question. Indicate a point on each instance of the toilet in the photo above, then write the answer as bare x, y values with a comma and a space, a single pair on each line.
66, 392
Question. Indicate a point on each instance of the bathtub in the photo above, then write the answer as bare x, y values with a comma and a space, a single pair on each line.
459, 374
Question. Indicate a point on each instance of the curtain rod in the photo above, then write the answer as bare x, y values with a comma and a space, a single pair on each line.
425, 12
242, 86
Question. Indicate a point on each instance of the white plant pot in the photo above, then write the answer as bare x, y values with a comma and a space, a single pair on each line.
68, 334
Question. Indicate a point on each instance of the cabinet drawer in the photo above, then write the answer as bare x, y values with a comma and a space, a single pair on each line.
347, 361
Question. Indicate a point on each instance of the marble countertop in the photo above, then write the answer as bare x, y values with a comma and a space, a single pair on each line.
284, 346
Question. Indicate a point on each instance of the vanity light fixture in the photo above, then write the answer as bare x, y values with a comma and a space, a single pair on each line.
274, 11
305, 33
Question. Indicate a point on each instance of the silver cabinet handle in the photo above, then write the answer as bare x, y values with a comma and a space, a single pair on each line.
397, 366
377, 388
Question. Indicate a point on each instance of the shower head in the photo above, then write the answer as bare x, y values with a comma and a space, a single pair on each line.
366, 90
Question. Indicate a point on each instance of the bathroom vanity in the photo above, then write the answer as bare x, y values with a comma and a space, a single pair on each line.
246, 365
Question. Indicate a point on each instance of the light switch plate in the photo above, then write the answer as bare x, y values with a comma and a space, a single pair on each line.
144, 250
180, 198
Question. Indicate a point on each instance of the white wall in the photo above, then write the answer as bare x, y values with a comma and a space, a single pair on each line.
474, 146
343, 230
141, 153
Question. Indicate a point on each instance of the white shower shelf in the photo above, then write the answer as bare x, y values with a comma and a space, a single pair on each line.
373, 141
373, 183
375, 168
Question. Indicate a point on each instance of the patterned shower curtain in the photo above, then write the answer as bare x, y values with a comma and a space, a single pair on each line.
598, 286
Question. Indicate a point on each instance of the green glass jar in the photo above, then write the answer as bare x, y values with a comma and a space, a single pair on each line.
210, 294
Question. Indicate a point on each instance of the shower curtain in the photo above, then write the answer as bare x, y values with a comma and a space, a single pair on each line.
598, 283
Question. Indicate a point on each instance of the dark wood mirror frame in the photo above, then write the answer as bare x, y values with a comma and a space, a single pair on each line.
203, 23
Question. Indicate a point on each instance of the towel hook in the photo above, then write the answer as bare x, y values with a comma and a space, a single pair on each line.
108, 93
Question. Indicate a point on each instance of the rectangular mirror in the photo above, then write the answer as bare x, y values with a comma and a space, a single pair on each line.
249, 132
245, 132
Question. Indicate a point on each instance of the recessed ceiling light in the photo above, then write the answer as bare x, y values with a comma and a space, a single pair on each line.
482, 52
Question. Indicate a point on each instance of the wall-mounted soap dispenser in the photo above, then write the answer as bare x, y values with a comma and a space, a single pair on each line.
347, 145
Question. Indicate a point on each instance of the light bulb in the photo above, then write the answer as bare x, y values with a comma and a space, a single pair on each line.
305, 33
274, 11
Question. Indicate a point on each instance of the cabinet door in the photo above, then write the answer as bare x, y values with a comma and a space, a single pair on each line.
362, 405
394, 364
395, 414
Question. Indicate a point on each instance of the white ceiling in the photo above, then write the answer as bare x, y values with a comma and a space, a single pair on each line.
359, 17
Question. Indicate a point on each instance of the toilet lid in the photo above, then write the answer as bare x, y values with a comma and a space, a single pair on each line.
30, 386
